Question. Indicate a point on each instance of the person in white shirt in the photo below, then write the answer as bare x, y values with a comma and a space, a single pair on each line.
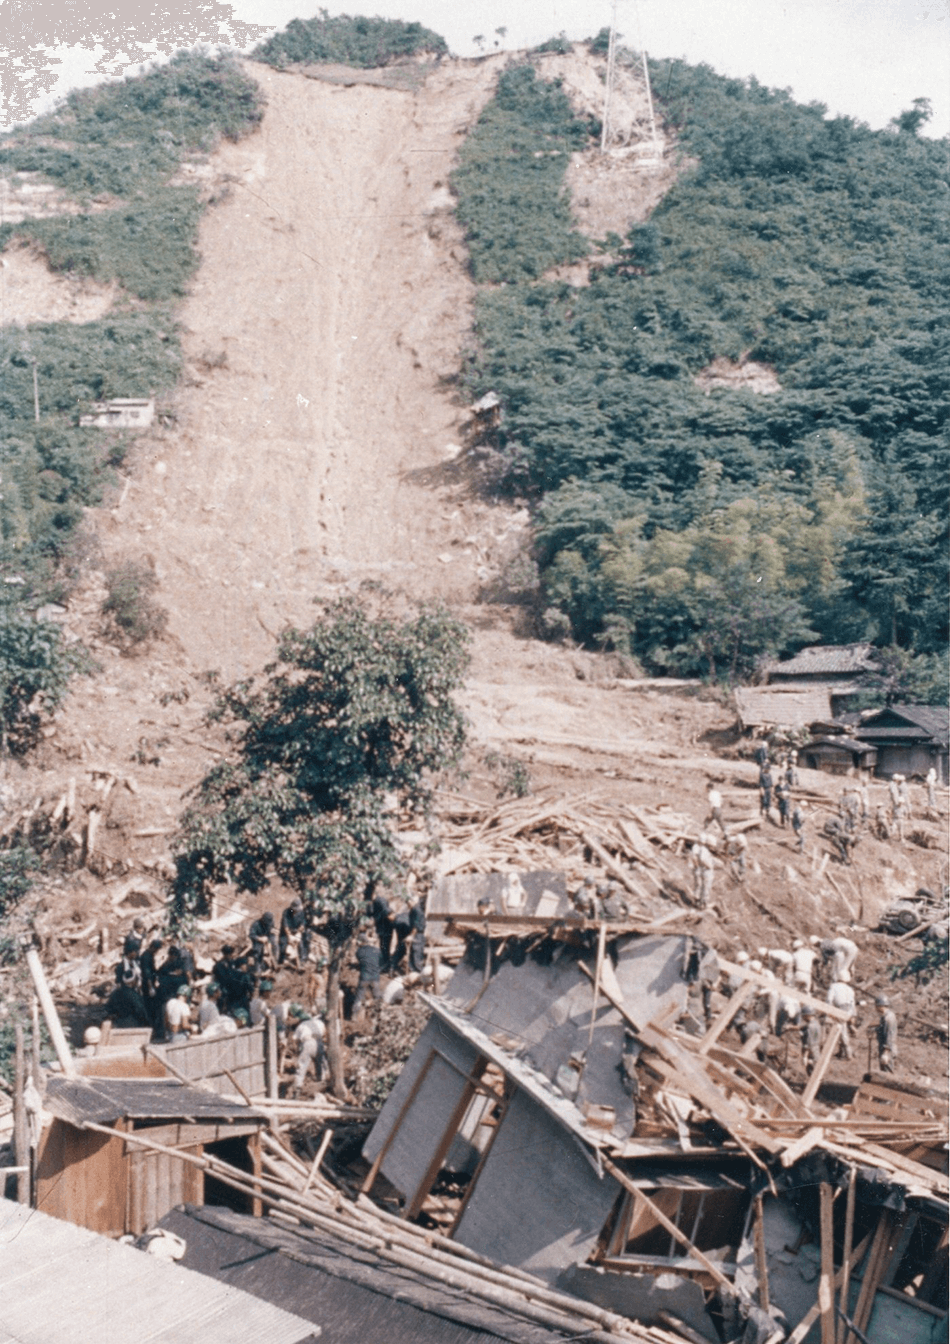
803, 964
178, 1016
701, 861
714, 798
309, 1037
842, 953
841, 995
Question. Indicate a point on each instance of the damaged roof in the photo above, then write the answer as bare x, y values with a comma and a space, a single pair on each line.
826, 658
104, 1100
60, 1284
353, 1294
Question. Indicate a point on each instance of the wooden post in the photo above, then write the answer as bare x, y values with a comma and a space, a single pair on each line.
826, 1296
742, 994
811, 1316
846, 1255
257, 1206
36, 393
761, 1264
272, 1061
598, 972
21, 1136
53, 1024
37, 1068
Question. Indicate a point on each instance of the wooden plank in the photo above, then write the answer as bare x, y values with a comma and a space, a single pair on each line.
670, 1226
873, 1272
846, 1255
821, 1064
770, 1080
741, 996
761, 1263
826, 1297
191, 1136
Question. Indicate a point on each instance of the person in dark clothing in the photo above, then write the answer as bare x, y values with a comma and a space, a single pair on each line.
148, 963
263, 942
293, 941
402, 928
235, 981
417, 945
765, 789
369, 959
126, 1000
382, 916
784, 799
172, 977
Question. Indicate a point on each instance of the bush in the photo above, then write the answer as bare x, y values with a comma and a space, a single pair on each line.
359, 41
35, 668
129, 606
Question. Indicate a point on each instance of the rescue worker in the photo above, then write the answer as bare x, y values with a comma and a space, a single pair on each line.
734, 981
292, 941
263, 942
765, 790
803, 964
886, 1031
382, 917
368, 959
702, 863
127, 1000
931, 783
417, 945
811, 1037
784, 800
842, 954
714, 798
841, 995
309, 1036
737, 848
402, 928
178, 1016
842, 839
798, 825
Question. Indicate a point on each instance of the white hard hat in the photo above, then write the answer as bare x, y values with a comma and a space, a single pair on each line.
797, 944
742, 956
92, 1036
755, 965
814, 939
763, 952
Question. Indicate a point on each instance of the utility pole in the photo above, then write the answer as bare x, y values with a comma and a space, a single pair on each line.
36, 394
646, 84
611, 69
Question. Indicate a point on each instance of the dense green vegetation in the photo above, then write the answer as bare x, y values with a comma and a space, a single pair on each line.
120, 143
346, 40
701, 531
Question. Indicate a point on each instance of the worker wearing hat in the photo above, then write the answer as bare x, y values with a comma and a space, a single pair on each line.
886, 1031
811, 1037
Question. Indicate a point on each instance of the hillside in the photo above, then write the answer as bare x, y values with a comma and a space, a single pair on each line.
318, 439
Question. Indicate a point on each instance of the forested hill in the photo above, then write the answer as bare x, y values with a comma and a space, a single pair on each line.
698, 528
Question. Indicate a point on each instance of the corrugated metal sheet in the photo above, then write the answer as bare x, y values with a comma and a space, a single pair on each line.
61, 1284
104, 1100
780, 708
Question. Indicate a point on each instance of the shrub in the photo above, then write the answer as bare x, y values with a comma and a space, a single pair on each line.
35, 669
133, 614
357, 41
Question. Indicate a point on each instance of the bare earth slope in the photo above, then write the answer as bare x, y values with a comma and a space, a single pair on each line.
333, 297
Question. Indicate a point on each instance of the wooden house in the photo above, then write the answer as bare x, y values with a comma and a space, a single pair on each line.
909, 739
88, 1174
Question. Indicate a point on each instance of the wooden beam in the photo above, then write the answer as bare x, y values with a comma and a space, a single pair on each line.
403, 1111
741, 996
668, 1223
469, 1090
54, 1026
873, 1272
21, 1137
761, 1263
821, 1064
826, 1296
846, 1252
598, 972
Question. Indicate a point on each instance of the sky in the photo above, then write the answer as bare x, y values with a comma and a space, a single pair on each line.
868, 59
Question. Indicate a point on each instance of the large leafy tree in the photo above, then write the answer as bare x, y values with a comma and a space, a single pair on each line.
346, 726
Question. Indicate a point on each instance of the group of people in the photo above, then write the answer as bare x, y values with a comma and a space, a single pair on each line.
775, 1009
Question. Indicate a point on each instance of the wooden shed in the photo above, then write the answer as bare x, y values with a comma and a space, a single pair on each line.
110, 1186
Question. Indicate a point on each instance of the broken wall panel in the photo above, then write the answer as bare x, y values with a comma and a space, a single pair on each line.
413, 1121
642, 1296
649, 972
538, 1202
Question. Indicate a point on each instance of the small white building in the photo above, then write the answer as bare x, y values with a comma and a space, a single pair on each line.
120, 413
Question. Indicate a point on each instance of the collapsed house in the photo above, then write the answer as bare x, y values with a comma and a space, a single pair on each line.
568, 1112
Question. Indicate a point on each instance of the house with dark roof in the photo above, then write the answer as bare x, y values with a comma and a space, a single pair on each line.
827, 664
910, 739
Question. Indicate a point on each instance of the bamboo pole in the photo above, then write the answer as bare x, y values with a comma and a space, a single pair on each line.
53, 1024
826, 1296
761, 1263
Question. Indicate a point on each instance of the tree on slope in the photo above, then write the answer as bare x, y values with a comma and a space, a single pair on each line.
347, 724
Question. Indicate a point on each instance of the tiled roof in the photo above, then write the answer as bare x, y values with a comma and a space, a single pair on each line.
820, 658
931, 721
772, 705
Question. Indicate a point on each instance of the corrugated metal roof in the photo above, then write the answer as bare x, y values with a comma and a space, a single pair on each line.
820, 658
792, 708
106, 1099
62, 1284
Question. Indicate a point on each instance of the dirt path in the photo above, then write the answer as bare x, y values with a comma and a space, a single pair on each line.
331, 300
